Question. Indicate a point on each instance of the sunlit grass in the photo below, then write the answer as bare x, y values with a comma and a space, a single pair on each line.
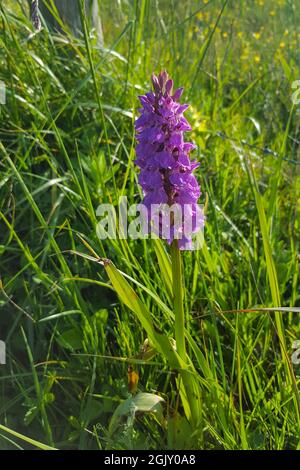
67, 145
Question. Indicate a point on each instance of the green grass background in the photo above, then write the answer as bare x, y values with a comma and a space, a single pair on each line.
67, 145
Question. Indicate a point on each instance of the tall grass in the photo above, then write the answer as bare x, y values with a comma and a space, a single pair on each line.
67, 144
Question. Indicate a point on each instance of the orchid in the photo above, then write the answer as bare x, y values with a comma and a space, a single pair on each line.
166, 174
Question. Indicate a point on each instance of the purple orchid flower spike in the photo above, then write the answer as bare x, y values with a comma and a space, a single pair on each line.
166, 174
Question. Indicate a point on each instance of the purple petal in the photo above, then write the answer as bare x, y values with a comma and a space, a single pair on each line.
177, 94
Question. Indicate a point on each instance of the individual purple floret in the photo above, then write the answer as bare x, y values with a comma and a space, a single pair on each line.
166, 174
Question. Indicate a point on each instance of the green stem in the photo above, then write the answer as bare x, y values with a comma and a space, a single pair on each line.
178, 300
189, 391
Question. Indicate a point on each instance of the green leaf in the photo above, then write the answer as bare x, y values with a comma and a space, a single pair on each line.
143, 403
129, 297
71, 339
179, 432
148, 402
35, 443
164, 263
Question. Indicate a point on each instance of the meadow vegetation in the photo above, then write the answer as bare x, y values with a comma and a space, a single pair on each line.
66, 145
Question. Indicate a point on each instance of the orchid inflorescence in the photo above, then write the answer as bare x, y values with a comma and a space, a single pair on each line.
166, 174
